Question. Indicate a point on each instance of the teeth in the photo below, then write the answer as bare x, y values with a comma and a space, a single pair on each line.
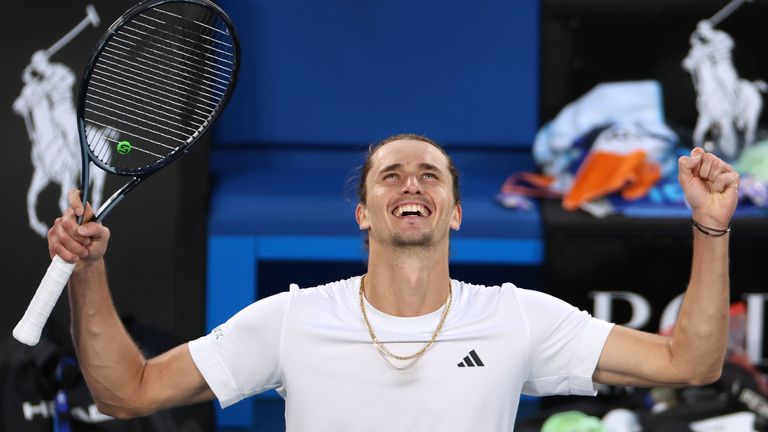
411, 208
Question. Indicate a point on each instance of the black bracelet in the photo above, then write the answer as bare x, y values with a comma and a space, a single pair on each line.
712, 232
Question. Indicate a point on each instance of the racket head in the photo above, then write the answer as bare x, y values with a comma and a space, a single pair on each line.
159, 77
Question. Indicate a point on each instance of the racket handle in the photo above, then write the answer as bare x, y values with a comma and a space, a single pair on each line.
28, 330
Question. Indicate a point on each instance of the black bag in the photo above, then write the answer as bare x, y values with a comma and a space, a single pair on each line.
42, 390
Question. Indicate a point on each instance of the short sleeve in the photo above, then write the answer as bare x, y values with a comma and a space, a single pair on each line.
565, 344
242, 356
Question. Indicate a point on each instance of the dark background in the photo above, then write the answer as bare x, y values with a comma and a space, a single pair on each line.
587, 42
156, 259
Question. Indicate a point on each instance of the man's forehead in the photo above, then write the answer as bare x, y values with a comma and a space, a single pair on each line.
408, 152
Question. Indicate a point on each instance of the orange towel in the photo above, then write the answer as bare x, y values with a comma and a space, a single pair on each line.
604, 172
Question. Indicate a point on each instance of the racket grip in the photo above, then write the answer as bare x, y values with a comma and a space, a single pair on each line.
28, 330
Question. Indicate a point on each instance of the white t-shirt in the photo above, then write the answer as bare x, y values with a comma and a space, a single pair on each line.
312, 345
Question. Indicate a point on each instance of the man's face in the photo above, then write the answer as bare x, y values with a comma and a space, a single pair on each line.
410, 198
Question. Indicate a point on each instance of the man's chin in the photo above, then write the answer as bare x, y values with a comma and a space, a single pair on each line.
412, 240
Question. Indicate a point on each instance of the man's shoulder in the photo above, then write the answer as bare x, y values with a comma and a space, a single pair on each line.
329, 295
485, 296
331, 289
469, 288
324, 303
338, 290
505, 294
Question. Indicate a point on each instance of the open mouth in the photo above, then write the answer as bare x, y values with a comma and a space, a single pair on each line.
411, 210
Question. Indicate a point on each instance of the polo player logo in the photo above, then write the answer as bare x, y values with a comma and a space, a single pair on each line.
729, 107
47, 106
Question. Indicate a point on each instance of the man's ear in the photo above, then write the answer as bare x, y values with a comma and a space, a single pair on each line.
456, 217
361, 216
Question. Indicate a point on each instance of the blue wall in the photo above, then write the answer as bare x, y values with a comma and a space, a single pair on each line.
353, 71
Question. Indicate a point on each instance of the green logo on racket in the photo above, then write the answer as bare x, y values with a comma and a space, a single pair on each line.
123, 147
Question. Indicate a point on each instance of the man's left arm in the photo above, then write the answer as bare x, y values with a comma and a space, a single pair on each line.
694, 354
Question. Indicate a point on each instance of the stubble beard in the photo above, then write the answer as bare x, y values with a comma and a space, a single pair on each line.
399, 240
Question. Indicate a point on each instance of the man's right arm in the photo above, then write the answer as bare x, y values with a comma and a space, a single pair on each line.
122, 382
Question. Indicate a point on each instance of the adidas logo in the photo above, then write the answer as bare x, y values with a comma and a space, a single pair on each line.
472, 360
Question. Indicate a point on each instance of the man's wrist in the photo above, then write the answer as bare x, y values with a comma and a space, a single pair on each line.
85, 267
710, 231
710, 222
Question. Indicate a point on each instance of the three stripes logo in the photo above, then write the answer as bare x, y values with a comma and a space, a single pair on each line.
472, 360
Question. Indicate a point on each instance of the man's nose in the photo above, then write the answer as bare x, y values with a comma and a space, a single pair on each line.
411, 185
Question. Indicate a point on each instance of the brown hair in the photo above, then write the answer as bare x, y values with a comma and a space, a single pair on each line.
361, 187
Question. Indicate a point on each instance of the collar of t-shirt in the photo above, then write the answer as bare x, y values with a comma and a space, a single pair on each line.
407, 325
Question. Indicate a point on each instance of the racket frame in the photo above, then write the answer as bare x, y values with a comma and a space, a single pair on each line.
141, 173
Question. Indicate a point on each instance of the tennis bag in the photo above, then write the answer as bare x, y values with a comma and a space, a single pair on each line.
42, 389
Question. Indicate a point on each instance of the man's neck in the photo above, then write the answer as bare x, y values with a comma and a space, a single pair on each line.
407, 281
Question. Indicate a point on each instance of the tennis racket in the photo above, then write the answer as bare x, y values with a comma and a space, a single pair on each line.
157, 80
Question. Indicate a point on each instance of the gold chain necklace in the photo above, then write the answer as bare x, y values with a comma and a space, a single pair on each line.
387, 354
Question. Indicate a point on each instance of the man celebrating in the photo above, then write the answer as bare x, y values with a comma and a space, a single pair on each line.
405, 347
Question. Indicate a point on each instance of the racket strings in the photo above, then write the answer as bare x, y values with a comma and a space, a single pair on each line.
173, 107
96, 92
156, 84
153, 86
155, 35
171, 54
166, 71
161, 57
185, 30
105, 137
172, 88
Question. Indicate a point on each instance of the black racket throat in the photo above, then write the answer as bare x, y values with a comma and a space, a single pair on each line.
106, 207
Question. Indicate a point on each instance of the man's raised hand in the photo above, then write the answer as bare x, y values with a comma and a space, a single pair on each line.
710, 186
81, 244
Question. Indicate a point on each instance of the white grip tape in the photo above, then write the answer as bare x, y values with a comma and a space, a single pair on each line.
30, 327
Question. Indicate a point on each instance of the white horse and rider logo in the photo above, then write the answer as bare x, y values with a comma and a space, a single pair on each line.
46, 103
729, 107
